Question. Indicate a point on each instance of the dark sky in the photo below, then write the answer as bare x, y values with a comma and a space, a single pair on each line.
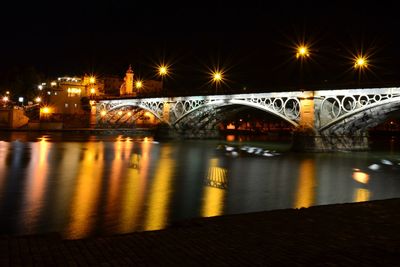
252, 40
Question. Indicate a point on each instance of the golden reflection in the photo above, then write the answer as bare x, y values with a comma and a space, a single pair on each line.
156, 217
230, 138
87, 192
4, 148
305, 195
114, 181
36, 183
361, 194
360, 177
135, 188
214, 193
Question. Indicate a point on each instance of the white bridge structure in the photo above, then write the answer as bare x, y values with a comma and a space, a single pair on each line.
323, 119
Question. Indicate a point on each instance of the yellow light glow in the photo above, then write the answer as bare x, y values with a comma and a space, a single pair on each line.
38, 99
53, 83
305, 195
8, 92
120, 113
361, 194
92, 90
103, 113
214, 192
160, 191
360, 177
360, 62
129, 113
139, 84
162, 70
5, 98
92, 79
302, 51
45, 110
217, 77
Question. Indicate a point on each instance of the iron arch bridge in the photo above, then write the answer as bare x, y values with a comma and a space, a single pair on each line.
322, 112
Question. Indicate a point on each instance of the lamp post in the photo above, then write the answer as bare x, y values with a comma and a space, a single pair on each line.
360, 64
302, 53
162, 72
217, 78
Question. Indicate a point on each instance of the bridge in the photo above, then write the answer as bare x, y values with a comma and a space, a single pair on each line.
323, 119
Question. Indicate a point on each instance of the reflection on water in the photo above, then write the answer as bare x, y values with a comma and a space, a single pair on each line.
214, 192
161, 191
83, 186
305, 195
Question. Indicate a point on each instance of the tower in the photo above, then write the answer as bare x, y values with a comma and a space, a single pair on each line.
129, 81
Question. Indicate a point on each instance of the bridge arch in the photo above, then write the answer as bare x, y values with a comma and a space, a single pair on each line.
278, 109
361, 119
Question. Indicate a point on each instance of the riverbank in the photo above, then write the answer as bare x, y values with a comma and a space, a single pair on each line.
355, 234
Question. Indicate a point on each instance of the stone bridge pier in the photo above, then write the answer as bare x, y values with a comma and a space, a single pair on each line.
324, 120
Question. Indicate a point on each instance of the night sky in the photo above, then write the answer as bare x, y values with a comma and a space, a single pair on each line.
252, 41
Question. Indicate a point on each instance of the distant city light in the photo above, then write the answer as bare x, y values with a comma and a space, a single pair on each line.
129, 113
120, 113
53, 83
38, 99
40, 87
5, 98
92, 90
8, 92
20, 99
45, 110
92, 79
103, 113
139, 84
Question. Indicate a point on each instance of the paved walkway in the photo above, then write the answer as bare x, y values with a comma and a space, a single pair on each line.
361, 234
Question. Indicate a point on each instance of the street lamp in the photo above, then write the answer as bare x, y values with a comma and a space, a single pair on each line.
302, 52
162, 70
217, 77
360, 62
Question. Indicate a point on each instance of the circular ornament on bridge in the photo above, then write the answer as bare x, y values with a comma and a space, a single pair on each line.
335, 107
377, 98
292, 108
349, 101
277, 104
363, 100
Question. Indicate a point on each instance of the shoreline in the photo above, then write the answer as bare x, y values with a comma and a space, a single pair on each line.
349, 234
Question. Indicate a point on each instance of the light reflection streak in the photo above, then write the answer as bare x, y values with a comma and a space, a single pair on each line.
305, 195
4, 148
87, 192
158, 203
134, 190
213, 196
114, 180
35, 184
361, 194
360, 176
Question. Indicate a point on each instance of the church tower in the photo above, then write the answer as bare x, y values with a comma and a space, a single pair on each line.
129, 81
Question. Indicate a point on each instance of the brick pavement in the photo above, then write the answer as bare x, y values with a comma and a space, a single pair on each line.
359, 234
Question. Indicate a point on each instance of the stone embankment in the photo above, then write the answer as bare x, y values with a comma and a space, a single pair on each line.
359, 234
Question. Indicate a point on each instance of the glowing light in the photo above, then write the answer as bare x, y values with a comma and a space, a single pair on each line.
163, 70
103, 113
217, 76
360, 177
40, 87
92, 90
120, 113
53, 83
5, 98
302, 51
8, 92
360, 62
45, 110
38, 99
129, 113
305, 195
92, 79
139, 84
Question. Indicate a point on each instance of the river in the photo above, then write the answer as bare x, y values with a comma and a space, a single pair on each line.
85, 185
